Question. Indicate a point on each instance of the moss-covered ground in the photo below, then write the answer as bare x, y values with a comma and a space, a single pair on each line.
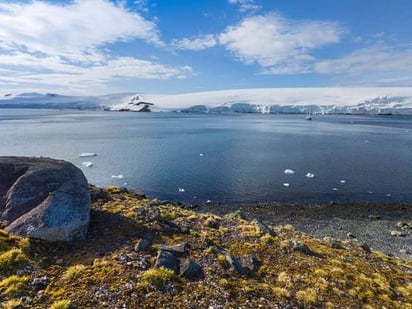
290, 269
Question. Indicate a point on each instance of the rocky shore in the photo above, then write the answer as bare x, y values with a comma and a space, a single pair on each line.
384, 227
142, 253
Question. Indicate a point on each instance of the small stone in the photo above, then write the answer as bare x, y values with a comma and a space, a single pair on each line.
302, 247
40, 283
59, 261
179, 248
366, 247
350, 235
374, 217
235, 263
401, 224
144, 243
266, 229
191, 270
168, 260
398, 234
249, 263
334, 244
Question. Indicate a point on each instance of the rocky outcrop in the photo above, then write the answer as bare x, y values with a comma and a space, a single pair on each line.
43, 198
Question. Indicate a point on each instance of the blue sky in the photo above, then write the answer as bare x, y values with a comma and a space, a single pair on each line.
153, 46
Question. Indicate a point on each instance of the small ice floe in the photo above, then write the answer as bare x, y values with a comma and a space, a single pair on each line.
208, 201
310, 175
288, 171
181, 189
120, 176
201, 154
286, 185
388, 195
370, 192
87, 164
87, 154
366, 141
342, 181
335, 189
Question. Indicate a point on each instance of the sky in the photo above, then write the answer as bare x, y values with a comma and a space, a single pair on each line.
179, 46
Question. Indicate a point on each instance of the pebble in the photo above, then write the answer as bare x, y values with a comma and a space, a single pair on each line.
398, 234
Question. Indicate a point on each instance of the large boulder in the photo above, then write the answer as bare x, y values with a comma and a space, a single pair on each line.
43, 198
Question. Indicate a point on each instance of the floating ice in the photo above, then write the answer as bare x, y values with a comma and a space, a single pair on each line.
87, 164
208, 201
366, 141
343, 181
286, 184
181, 189
335, 189
370, 192
310, 175
388, 195
87, 154
120, 176
125, 184
201, 154
288, 171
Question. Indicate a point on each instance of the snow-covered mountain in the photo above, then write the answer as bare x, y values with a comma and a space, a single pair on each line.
267, 100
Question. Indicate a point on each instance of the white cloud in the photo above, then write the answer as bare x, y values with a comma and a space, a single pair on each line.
64, 45
246, 5
74, 30
277, 44
28, 70
198, 43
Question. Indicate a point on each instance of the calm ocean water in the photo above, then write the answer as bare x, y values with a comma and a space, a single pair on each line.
225, 158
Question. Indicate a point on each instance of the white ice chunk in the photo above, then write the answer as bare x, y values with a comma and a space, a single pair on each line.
87, 164
201, 154
120, 176
286, 184
288, 171
388, 195
310, 175
335, 189
342, 181
181, 189
87, 154
208, 201
366, 141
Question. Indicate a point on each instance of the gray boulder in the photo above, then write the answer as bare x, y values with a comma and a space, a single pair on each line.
43, 198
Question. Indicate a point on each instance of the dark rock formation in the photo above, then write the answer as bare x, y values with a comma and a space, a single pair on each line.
43, 198
168, 260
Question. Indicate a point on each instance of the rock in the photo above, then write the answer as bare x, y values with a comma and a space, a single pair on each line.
374, 217
334, 244
350, 235
44, 198
144, 243
265, 229
191, 270
398, 234
179, 248
250, 263
302, 247
234, 263
168, 260
365, 247
97, 193
40, 283
401, 224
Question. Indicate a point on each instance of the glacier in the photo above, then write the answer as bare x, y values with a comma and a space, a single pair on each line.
358, 101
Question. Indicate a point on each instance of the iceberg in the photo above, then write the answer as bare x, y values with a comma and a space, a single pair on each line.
286, 184
289, 171
310, 175
181, 189
87, 154
87, 164
120, 176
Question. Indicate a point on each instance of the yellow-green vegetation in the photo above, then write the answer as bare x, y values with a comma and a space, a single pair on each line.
12, 304
61, 304
11, 259
73, 272
106, 269
157, 277
13, 285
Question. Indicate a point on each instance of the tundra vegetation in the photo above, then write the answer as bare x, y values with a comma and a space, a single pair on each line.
230, 262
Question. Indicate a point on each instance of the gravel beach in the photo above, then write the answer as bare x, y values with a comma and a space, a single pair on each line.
384, 227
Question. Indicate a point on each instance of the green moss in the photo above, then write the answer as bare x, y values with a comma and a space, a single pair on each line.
157, 277
12, 304
13, 285
74, 272
11, 259
168, 215
61, 304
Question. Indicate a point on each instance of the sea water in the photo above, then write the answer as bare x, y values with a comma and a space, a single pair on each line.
234, 158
